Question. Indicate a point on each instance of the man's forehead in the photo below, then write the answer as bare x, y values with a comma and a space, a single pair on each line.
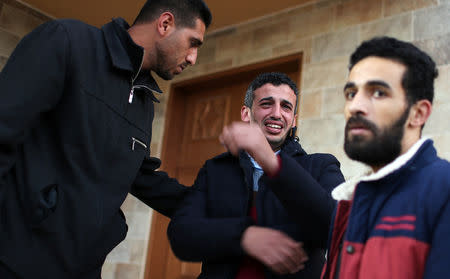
275, 91
376, 68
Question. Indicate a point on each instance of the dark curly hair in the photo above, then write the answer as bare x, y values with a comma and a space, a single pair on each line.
186, 12
274, 78
418, 80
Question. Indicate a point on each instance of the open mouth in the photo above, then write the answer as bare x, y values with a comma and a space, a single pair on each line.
273, 127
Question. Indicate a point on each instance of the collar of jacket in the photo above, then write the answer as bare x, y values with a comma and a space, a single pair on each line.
291, 147
346, 190
125, 54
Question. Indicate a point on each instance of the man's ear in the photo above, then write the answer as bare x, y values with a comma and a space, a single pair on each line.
419, 113
245, 114
166, 23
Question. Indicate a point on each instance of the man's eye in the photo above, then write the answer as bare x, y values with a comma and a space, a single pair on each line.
349, 95
378, 93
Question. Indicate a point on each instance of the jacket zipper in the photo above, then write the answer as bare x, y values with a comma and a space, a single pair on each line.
133, 79
135, 140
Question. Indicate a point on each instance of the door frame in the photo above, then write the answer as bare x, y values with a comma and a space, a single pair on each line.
157, 250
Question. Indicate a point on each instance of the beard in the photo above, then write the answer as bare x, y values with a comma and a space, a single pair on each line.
382, 148
162, 60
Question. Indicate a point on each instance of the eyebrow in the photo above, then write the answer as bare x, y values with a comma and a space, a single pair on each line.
271, 99
369, 83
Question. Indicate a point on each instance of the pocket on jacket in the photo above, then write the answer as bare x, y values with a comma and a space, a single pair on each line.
44, 206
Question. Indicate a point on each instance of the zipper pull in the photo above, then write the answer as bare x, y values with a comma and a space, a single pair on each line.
130, 99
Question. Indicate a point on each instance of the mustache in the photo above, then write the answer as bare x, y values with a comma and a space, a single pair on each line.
271, 118
359, 121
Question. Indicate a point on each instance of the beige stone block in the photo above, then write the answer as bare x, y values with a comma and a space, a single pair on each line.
129, 204
311, 104
394, 7
399, 27
154, 149
274, 33
8, 42
334, 44
121, 253
431, 22
164, 85
142, 207
232, 44
159, 107
330, 73
158, 129
310, 21
253, 57
442, 86
301, 45
352, 12
215, 67
207, 52
321, 131
108, 271
438, 122
438, 48
441, 143
18, 20
333, 101
138, 225
128, 271
137, 251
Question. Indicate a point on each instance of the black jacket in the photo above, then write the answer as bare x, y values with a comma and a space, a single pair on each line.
72, 146
209, 225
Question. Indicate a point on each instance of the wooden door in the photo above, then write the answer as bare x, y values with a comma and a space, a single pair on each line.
197, 111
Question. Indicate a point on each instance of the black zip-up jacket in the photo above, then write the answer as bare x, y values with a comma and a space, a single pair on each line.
209, 225
73, 144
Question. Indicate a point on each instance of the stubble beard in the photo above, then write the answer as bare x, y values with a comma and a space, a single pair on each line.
162, 59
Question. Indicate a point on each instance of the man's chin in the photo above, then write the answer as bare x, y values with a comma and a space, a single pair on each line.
166, 75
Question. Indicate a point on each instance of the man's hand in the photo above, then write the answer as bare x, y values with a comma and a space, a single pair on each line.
248, 137
274, 249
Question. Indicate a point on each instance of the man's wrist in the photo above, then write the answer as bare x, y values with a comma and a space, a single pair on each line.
275, 170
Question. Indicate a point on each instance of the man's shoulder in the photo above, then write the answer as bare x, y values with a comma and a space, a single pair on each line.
73, 24
75, 28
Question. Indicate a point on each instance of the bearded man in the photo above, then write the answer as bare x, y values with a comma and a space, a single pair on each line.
394, 221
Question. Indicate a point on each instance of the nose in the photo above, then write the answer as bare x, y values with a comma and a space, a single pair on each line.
276, 111
358, 104
191, 58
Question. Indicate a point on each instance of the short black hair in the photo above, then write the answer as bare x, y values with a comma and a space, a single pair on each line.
418, 80
186, 12
274, 78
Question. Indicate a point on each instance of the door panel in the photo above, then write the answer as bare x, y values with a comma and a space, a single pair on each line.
197, 111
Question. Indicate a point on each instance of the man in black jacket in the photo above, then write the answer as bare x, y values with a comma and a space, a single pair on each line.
263, 209
75, 130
